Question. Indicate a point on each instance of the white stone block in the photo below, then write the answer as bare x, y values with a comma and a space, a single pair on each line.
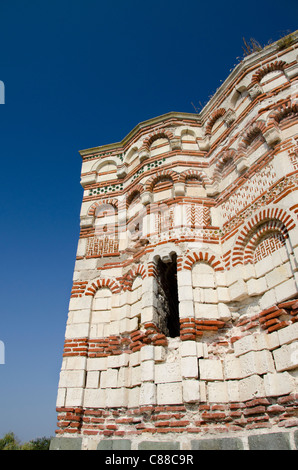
108, 378
285, 290
75, 363
97, 363
185, 293
268, 299
72, 378
256, 286
264, 266
251, 387
74, 397
116, 397
186, 309
223, 294
286, 357
206, 311
123, 378
147, 393
168, 372
202, 350
160, 353
278, 384
147, 352
210, 369
169, 393
134, 397
184, 278
147, 371
238, 290
232, 368
92, 380
190, 391
223, 392
224, 313
134, 359
135, 376
80, 303
189, 367
256, 362
288, 334
276, 276
267, 341
79, 330
245, 344
203, 280
188, 348
210, 296
61, 395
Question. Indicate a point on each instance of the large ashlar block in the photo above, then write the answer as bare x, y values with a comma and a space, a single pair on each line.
256, 286
147, 394
256, 362
61, 395
133, 397
74, 397
278, 384
116, 397
97, 363
169, 393
109, 378
238, 290
135, 376
210, 369
277, 276
188, 348
285, 290
168, 372
232, 368
74, 363
288, 334
72, 378
92, 380
286, 357
78, 330
189, 367
268, 299
251, 387
123, 379
223, 392
206, 311
190, 391
147, 371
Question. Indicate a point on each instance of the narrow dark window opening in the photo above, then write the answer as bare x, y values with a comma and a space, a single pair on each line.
168, 297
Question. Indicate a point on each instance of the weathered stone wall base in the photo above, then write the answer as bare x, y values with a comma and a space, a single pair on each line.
262, 440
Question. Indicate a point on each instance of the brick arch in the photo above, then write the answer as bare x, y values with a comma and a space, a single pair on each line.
255, 129
214, 117
277, 65
264, 216
128, 279
202, 256
228, 155
159, 176
133, 192
158, 134
200, 175
108, 202
100, 283
270, 227
283, 111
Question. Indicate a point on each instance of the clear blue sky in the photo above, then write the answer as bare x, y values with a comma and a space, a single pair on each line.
78, 74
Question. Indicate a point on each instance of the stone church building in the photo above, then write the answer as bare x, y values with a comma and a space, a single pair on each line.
182, 331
